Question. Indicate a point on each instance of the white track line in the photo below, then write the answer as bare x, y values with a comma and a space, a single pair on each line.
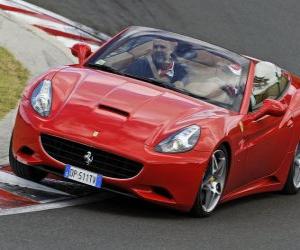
56, 205
37, 9
15, 180
68, 27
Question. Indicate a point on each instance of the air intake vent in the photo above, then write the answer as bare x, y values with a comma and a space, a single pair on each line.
114, 110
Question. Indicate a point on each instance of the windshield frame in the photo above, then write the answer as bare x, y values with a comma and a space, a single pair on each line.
133, 32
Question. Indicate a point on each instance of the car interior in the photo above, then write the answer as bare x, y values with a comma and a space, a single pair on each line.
207, 74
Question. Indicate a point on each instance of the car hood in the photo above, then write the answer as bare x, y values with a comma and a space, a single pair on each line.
110, 109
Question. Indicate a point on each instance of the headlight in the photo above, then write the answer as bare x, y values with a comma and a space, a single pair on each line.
183, 140
41, 98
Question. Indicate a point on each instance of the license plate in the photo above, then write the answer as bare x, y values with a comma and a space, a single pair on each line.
83, 176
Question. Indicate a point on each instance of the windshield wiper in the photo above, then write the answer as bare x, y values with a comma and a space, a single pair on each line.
115, 71
104, 68
112, 70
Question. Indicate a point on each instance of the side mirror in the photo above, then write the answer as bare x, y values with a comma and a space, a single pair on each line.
270, 107
82, 51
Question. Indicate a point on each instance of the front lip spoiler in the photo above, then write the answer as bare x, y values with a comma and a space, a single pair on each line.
105, 186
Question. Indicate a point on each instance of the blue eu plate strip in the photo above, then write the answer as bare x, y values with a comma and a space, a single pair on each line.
67, 170
99, 181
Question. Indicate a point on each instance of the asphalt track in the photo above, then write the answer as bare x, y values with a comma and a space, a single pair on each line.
263, 29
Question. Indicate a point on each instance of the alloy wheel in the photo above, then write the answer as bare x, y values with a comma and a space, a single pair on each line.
214, 181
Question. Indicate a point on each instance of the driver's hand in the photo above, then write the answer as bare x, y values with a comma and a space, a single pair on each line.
230, 90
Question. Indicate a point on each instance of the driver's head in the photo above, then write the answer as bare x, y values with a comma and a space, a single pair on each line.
162, 52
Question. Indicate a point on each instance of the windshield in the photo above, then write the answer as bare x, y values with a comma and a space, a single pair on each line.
180, 63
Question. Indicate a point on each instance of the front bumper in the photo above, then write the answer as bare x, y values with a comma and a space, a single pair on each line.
170, 180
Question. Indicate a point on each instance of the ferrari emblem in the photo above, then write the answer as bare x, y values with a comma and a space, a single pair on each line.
88, 158
95, 133
241, 126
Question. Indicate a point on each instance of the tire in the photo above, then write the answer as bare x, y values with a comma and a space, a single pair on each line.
292, 184
212, 184
25, 171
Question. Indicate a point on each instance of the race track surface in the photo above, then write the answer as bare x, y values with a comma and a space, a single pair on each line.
264, 29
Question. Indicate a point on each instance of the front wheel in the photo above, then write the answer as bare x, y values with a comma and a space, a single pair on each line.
212, 185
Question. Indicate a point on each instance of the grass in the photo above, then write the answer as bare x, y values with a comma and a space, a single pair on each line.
13, 77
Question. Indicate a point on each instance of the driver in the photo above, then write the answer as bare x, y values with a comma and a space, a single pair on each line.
161, 64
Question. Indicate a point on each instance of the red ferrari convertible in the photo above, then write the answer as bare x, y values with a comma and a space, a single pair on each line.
163, 117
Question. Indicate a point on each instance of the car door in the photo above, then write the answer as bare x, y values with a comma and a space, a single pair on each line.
266, 141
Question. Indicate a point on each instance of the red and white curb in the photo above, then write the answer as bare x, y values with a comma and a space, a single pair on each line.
18, 195
63, 29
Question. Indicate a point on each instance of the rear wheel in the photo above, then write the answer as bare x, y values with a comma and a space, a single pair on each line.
212, 185
292, 184
25, 171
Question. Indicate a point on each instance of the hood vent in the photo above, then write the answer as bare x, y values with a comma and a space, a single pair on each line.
113, 110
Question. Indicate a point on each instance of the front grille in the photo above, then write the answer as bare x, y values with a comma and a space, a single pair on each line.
104, 163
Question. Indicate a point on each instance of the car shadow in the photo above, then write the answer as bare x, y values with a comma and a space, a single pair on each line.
127, 206
251, 199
